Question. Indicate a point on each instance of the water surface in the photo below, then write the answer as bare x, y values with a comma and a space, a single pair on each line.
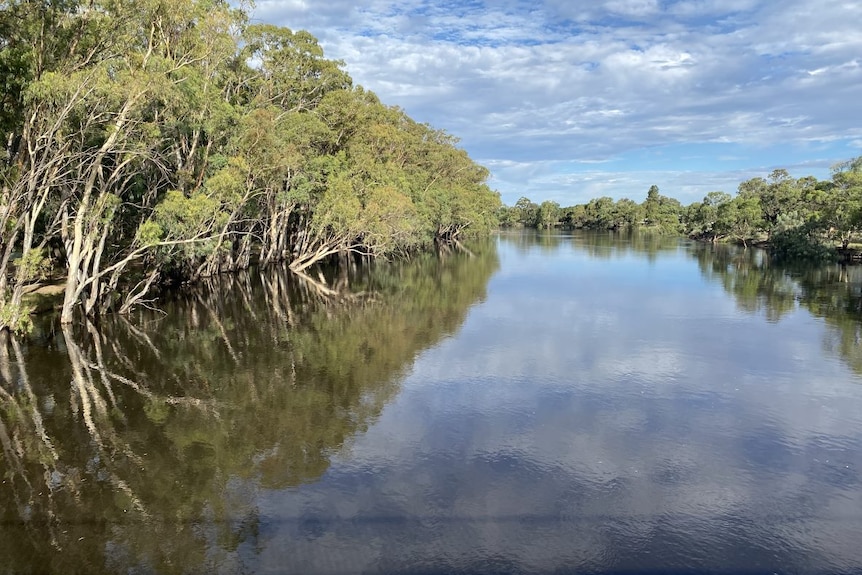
551, 403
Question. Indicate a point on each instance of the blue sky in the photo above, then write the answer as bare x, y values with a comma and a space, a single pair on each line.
571, 99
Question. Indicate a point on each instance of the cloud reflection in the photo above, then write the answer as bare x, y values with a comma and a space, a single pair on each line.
632, 418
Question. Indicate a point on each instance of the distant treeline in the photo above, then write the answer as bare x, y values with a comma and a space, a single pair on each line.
803, 218
148, 140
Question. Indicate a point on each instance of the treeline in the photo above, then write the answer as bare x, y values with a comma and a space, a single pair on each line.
155, 140
656, 211
802, 218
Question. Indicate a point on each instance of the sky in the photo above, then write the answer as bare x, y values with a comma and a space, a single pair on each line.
567, 100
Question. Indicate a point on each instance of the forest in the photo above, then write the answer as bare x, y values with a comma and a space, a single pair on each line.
795, 218
148, 142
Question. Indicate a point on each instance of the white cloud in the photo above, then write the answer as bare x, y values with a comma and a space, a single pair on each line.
532, 83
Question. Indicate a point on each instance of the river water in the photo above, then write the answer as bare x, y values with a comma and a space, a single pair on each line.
543, 403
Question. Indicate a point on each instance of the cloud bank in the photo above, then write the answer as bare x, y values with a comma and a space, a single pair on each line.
567, 100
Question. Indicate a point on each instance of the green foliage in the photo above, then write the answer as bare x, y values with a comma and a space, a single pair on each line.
549, 213
841, 214
799, 243
179, 132
739, 218
295, 75
652, 207
599, 213
801, 219
178, 218
700, 217
34, 266
627, 214
15, 318
526, 212
662, 213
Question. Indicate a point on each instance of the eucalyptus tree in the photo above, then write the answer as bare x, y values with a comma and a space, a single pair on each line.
156, 137
627, 214
458, 197
740, 218
526, 210
700, 217
293, 74
779, 195
40, 43
599, 213
661, 212
842, 208
549, 214
125, 157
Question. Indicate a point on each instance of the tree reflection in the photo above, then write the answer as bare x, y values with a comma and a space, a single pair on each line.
609, 244
749, 276
141, 444
530, 239
832, 292
29, 456
597, 244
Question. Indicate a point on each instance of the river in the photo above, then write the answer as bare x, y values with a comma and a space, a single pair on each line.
540, 403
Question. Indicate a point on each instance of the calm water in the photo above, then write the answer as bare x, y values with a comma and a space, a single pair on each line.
547, 404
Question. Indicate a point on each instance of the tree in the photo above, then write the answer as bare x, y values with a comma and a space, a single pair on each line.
506, 216
548, 214
150, 141
652, 206
842, 206
527, 212
294, 75
779, 194
739, 218
662, 213
599, 213
156, 46
701, 216
627, 214
575, 216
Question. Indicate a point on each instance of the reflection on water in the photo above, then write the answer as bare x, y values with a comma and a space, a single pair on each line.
555, 403
144, 444
833, 293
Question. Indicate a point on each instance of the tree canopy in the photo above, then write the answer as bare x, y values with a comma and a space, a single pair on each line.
149, 140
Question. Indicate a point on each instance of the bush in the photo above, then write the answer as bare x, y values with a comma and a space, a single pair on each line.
798, 243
